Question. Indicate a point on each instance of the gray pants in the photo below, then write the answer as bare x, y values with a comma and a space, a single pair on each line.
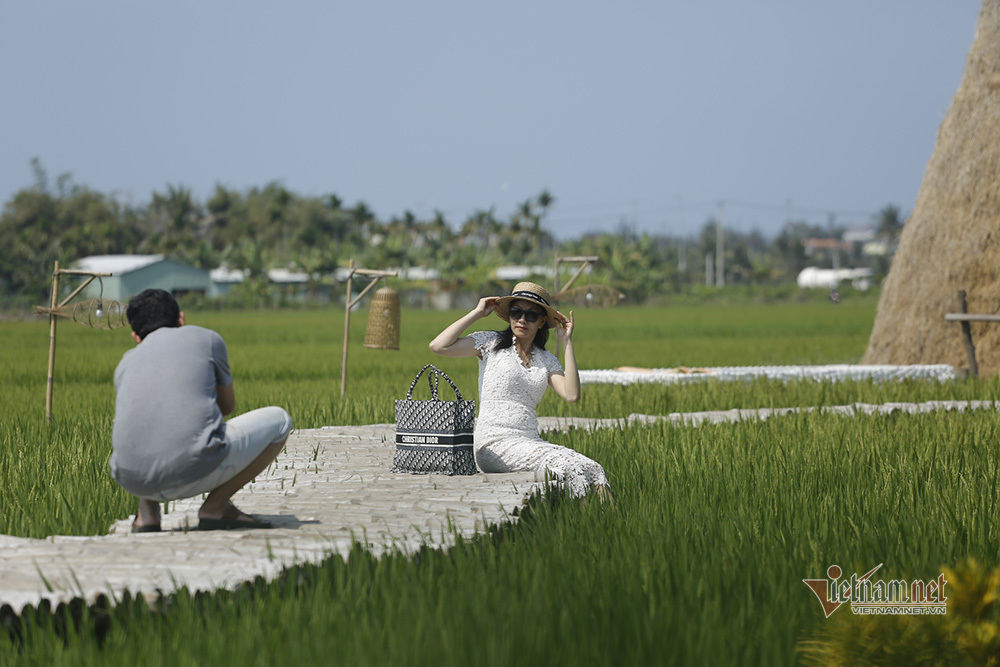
246, 437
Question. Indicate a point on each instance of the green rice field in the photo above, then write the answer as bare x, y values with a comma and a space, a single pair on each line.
699, 561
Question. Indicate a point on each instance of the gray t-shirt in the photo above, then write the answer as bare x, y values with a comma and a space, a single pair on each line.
168, 428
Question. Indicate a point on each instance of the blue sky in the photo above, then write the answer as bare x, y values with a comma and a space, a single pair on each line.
647, 113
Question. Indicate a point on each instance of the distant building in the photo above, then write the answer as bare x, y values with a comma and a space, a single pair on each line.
523, 272
811, 245
291, 282
223, 278
131, 274
420, 273
859, 234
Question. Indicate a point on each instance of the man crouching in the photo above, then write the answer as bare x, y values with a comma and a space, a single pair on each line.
170, 442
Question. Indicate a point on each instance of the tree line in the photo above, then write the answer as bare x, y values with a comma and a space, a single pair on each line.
272, 227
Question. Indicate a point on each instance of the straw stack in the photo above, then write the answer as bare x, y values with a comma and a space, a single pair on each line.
952, 239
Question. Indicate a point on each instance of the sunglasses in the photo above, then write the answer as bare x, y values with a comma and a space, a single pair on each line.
529, 315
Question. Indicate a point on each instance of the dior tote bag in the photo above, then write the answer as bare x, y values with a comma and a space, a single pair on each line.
434, 436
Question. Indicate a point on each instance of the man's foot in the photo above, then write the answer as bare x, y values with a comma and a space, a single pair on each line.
147, 517
144, 528
231, 519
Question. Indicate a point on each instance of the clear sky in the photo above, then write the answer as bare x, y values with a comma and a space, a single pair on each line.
643, 112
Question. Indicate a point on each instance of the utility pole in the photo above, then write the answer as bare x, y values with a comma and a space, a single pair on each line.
720, 248
635, 218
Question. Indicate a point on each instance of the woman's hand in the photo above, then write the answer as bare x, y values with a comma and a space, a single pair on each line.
486, 306
564, 327
451, 343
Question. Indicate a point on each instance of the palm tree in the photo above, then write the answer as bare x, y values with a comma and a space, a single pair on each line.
220, 208
890, 223
542, 240
316, 263
545, 200
524, 209
179, 206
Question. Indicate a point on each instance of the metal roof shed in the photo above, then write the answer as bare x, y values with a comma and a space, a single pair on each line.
132, 274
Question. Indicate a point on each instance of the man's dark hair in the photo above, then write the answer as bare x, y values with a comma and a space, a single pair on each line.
152, 309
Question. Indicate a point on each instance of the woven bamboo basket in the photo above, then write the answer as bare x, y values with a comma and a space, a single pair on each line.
382, 332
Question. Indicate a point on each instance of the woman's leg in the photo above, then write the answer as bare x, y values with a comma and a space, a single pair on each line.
577, 473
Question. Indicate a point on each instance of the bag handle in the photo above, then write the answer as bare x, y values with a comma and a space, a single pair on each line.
435, 372
433, 381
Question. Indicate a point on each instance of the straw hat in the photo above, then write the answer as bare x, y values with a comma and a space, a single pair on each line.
528, 292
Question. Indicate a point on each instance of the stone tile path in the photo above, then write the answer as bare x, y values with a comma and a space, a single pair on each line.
332, 486
747, 414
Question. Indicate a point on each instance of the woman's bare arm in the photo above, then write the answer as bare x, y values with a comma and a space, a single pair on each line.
568, 385
451, 343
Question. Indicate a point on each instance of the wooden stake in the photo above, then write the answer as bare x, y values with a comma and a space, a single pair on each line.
970, 349
347, 330
586, 260
53, 302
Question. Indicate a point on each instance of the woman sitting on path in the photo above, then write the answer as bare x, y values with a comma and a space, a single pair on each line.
514, 369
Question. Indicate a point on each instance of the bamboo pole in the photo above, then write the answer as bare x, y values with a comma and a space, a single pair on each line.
579, 272
53, 302
350, 303
77, 291
587, 260
347, 330
81, 272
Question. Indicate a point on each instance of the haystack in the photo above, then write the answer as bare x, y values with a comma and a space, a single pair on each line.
951, 241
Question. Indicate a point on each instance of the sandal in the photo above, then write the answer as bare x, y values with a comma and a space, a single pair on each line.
233, 519
150, 528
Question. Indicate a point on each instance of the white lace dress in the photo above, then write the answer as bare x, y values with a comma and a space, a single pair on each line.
506, 436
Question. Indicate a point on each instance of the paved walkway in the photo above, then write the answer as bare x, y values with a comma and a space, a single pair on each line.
748, 414
330, 488
830, 372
